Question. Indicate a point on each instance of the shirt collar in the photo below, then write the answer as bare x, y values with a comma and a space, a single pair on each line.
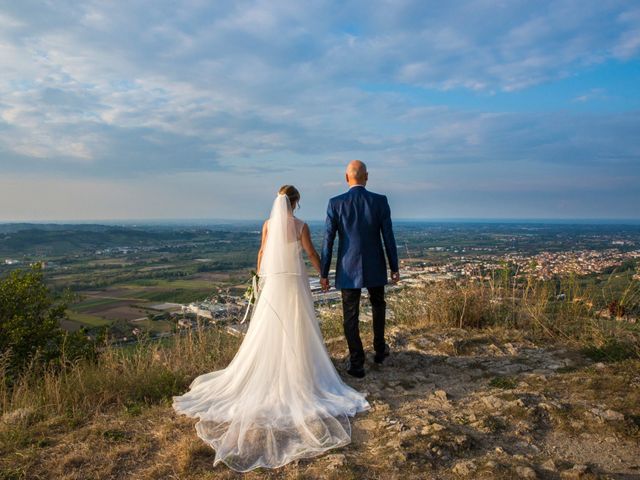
354, 186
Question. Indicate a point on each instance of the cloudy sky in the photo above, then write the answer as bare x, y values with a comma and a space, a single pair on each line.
200, 109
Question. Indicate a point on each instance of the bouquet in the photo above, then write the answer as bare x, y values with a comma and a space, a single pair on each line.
251, 294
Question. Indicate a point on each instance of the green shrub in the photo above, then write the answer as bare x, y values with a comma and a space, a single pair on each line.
613, 350
30, 325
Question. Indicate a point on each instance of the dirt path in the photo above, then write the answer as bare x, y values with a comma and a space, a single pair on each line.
454, 404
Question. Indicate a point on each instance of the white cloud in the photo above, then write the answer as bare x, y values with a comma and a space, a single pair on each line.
98, 89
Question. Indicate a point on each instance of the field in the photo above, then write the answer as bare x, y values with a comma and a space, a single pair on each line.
134, 301
117, 274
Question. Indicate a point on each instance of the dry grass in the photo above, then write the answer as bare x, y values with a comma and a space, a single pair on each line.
121, 378
530, 307
112, 418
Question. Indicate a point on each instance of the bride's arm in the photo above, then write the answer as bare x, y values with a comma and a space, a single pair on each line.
263, 243
307, 244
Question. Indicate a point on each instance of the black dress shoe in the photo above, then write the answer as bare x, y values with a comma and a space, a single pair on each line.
356, 372
380, 356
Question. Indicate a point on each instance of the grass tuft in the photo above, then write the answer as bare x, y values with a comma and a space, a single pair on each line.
505, 383
613, 350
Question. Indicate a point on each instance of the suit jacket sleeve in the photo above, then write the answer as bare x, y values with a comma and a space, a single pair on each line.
389, 238
331, 227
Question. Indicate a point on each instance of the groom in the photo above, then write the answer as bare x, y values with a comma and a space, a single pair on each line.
360, 218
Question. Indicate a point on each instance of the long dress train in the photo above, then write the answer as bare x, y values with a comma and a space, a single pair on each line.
280, 398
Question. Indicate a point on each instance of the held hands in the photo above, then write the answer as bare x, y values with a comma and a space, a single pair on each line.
395, 277
324, 284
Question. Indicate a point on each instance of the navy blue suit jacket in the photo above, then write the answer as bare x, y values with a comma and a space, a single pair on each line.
362, 220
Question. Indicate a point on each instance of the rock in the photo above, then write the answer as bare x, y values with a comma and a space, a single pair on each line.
575, 473
335, 460
612, 415
464, 468
367, 424
381, 407
493, 402
461, 440
526, 472
548, 406
599, 366
432, 428
549, 465
440, 399
511, 350
512, 369
493, 349
440, 395
398, 458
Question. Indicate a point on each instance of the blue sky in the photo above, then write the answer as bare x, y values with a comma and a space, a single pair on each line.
196, 109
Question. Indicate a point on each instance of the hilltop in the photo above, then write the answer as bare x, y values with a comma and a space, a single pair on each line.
449, 403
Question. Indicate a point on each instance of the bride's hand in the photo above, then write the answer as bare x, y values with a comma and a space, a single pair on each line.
324, 283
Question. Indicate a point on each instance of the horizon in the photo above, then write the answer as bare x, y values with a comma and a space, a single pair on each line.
222, 221
465, 110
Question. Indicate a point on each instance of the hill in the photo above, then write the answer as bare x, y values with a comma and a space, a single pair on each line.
449, 403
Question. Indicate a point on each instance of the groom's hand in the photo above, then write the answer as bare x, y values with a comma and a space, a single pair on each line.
395, 277
324, 283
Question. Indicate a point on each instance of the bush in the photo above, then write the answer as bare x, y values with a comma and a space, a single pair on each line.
30, 324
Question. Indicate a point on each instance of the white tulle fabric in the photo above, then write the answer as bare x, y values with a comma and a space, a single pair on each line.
280, 398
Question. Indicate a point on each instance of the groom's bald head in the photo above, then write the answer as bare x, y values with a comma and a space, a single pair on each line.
357, 173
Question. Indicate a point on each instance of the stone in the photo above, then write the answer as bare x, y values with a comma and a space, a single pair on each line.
398, 457
464, 468
524, 471
549, 465
367, 424
612, 415
432, 428
512, 369
439, 399
547, 406
461, 440
335, 460
608, 414
575, 473
493, 402
511, 350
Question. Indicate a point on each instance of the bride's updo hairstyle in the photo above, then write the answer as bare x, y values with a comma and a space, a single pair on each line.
293, 194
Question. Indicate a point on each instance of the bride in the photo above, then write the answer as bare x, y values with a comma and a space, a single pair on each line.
280, 398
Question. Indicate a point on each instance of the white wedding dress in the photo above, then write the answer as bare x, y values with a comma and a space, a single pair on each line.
280, 398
